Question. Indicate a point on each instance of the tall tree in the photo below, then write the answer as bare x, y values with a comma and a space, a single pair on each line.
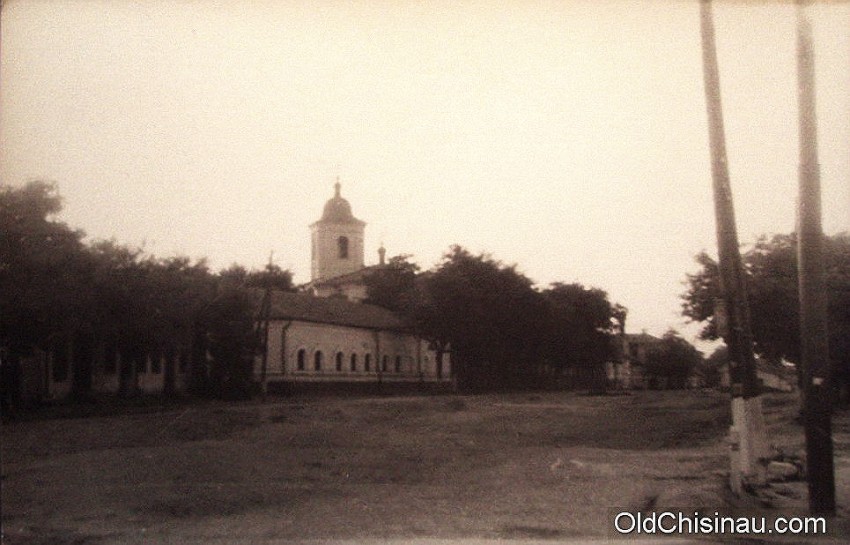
180, 291
40, 263
393, 285
270, 277
711, 367
672, 361
487, 312
228, 321
501, 330
117, 279
581, 325
771, 266
45, 291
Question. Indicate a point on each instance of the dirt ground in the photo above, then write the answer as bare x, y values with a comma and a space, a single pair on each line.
519, 466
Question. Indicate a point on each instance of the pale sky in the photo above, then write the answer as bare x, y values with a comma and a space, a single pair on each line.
568, 137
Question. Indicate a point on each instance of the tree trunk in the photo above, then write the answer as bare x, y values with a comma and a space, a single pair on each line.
128, 376
81, 365
10, 366
169, 379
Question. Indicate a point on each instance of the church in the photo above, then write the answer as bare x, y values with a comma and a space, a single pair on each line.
321, 337
325, 336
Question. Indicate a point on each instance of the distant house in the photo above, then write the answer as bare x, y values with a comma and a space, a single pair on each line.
630, 371
50, 374
776, 377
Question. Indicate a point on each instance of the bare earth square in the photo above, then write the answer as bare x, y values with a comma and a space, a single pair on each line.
514, 466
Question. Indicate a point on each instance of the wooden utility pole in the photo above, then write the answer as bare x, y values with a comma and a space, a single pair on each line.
262, 335
814, 347
262, 331
747, 435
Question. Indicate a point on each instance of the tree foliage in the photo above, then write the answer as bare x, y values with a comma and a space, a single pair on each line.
270, 277
228, 322
712, 366
41, 262
672, 361
392, 285
501, 330
105, 298
487, 312
771, 266
580, 323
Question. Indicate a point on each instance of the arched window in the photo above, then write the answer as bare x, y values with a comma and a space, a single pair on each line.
353, 365
342, 243
384, 363
398, 364
302, 359
317, 360
339, 361
367, 362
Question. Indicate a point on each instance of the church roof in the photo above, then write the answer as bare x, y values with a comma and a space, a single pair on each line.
356, 277
338, 210
332, 310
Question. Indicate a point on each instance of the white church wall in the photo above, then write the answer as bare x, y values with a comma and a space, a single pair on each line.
287, 338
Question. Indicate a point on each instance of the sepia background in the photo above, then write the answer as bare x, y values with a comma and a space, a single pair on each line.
568, 137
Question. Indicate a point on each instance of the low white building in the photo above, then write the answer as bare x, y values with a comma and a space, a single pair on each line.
312, 340
50, 375
629, 372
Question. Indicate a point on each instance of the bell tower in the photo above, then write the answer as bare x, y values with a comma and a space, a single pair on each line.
336, 240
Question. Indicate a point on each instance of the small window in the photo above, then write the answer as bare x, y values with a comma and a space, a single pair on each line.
339, 361
367, 362
142, 365
398, 364
342, 243
353, 363
302, 358
317, 360
385, 363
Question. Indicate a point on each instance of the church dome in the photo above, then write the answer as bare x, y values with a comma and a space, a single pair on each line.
337, 209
